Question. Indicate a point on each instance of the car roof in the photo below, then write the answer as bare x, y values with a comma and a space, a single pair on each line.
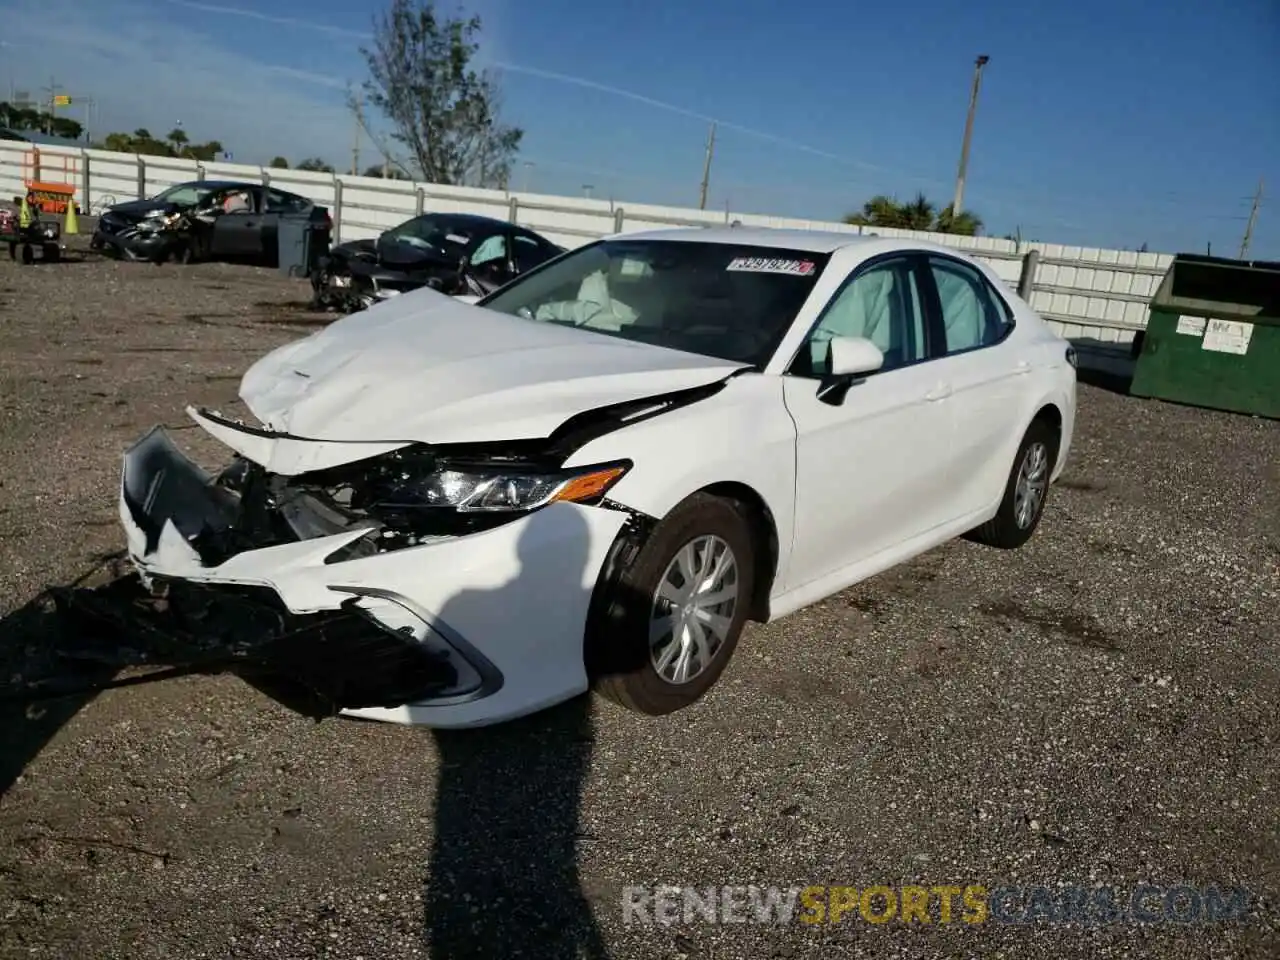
213, 184
229, 184
813, 241
469, 219
809, 241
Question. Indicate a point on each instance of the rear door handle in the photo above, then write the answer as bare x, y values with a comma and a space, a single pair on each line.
940, 392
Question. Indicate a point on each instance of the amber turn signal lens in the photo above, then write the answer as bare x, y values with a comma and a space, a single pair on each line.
589, 485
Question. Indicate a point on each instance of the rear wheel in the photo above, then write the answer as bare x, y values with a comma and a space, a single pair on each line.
673, 619
1025, 492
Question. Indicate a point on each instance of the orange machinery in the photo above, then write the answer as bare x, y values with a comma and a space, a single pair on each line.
51, 177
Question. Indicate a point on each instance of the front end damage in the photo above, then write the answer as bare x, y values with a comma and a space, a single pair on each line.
382, 605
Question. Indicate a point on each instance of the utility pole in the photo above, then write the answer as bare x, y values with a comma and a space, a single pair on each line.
706, 167
52, 90
355, 146
1253, 218
958, 203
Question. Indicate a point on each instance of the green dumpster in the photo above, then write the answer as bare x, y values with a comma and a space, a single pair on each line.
1213, 336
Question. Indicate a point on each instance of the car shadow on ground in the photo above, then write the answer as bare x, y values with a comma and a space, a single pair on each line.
33, 639
503, 878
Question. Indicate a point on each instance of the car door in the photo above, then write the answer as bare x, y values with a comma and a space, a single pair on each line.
235, 231
276, 204
869, 468
987, 375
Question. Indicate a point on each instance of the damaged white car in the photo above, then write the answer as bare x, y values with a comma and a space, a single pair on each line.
593, 477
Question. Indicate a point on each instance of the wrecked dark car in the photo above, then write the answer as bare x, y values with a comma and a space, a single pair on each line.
204, 220
455, 254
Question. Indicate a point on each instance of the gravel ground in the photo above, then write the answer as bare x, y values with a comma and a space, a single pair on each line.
1096, 708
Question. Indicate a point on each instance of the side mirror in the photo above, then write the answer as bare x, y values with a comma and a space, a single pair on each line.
848, 358
852, 356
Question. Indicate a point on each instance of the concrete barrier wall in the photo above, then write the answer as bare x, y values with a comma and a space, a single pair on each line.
1090, 293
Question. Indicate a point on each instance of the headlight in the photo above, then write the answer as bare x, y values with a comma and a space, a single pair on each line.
158, 212
482, 489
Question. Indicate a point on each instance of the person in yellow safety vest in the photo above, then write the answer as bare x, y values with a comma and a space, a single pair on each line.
27, 212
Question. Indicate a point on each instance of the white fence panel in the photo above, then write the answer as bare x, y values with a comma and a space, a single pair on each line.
1085, 291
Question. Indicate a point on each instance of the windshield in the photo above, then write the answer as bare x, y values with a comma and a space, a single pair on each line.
433, 231
184, 194
729, 301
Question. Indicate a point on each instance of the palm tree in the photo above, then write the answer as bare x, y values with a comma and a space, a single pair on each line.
178, 137
968, 224
879, 211
918, 214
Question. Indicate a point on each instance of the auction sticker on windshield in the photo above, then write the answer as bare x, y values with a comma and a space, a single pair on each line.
796, 268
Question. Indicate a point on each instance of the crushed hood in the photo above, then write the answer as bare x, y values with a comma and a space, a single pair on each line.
427, 368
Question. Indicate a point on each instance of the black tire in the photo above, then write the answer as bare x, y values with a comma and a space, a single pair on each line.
52, 252
619, 662
1004, 530
28, 255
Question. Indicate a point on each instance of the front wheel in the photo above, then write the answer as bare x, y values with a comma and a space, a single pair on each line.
1025, 492
671, 622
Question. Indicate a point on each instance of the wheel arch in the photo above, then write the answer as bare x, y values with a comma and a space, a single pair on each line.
764, 536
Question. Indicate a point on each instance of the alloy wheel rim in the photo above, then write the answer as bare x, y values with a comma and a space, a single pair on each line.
693, 609
1033, 480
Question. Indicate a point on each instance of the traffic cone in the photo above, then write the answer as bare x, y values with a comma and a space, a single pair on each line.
25, 218
72, 221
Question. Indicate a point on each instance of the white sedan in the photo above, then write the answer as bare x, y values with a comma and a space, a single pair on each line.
455, 514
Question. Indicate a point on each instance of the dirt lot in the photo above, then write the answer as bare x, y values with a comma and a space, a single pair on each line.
1097, 708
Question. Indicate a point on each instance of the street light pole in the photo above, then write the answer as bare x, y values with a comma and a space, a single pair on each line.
706, 168
957, 203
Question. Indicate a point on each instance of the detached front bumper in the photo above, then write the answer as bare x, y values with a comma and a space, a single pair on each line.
490, 625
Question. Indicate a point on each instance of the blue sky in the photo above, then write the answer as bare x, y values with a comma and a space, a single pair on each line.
1108, 124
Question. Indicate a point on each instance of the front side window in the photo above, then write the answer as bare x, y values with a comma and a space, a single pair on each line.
973, 314
881, 304
730, 301
184, 194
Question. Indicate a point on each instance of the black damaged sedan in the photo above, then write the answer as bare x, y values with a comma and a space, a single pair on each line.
204, 220
456, 253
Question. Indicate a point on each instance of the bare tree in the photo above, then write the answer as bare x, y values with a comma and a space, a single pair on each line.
441, 110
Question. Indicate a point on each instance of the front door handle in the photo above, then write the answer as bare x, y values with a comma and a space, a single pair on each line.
1022, 366
940, 392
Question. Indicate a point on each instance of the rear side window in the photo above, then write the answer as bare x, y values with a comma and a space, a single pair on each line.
973, 313
281, 202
